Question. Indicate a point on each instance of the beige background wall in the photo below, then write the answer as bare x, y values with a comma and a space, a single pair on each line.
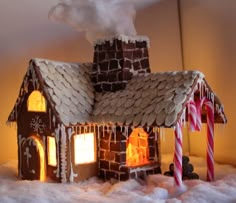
30, 34
209, 45
209, 42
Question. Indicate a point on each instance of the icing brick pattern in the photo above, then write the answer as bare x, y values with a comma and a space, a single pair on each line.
112, 157
116, 61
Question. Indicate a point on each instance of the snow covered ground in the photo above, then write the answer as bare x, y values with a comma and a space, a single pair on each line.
156, 188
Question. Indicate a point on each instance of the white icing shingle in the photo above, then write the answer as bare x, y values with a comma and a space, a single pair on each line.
154, 99
66, 85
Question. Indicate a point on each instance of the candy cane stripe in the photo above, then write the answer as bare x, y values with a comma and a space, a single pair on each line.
192, 114
178, 155
210, 138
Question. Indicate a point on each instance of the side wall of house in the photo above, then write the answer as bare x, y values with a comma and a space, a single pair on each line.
38, 124
83, 171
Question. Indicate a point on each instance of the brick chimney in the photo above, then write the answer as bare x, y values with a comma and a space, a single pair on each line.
117, 59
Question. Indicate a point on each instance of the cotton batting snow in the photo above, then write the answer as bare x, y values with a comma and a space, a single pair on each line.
156, 188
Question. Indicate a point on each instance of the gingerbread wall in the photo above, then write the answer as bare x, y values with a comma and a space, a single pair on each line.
31, 125
112, 155
79, 172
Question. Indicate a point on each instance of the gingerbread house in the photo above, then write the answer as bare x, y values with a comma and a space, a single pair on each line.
77, 120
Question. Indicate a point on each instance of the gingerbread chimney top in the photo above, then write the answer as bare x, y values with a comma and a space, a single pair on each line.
117, 59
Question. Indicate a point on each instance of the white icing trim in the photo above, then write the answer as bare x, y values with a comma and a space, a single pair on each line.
50, 118
28, 155
63, 154
72, 174
123, 38
56, 135
55, 63
114, 132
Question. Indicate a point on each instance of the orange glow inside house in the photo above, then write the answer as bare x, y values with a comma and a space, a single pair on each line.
84, 148
39, 146
36, 102
137, 152
52, 153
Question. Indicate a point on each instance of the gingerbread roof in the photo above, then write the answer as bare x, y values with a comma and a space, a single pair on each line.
155, 99
66, 86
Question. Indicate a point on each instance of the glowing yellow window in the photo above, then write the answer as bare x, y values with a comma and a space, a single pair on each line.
52, 153
84, 145
36, 102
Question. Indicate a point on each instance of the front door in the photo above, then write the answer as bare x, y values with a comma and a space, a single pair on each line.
33, 159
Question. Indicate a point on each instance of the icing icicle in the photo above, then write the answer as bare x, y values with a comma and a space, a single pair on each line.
57, 136
76, 130
126, 131
72, 174
98, 137
114, 132
98, 126
103, 130
50, 122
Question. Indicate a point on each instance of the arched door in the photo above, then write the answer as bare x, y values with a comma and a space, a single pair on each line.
33, 159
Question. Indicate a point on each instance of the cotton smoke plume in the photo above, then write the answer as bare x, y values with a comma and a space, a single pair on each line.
99, 18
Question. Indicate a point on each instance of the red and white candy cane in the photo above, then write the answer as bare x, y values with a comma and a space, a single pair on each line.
198, 124
210, 138
178, 154
192, 115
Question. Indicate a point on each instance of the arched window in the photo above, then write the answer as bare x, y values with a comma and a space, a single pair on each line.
36, 102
